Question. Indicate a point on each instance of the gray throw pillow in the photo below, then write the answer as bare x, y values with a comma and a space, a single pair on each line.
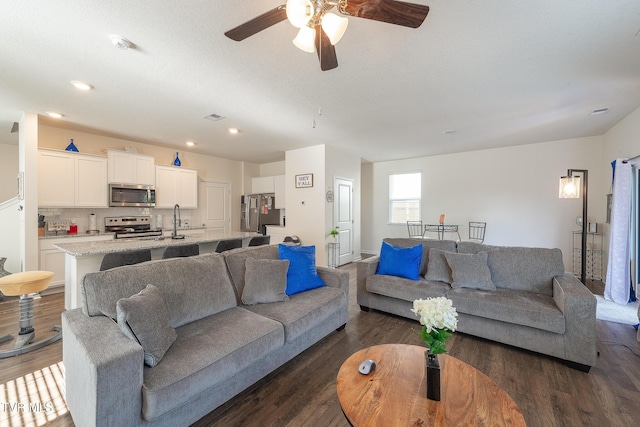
470, 271
144, 318
438, 268
265, 281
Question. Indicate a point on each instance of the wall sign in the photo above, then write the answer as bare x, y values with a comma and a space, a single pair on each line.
304, 181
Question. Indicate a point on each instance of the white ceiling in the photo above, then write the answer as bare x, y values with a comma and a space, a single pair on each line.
496, 72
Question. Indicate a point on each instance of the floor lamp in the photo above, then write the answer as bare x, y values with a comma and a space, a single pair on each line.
569, 190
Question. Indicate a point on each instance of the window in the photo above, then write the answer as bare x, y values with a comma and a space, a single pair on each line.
404, 197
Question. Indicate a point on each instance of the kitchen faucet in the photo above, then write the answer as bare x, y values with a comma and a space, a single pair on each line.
176, 223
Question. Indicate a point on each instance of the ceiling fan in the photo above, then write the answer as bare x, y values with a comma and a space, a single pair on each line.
320, 30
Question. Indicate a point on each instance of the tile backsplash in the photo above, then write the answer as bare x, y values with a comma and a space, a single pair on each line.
81, 215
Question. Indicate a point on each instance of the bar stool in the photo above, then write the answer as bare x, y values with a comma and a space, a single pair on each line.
23, 284
259, 240
181, 251
118, 259
227, 245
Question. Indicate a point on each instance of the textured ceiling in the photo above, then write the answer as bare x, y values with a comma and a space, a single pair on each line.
496, 73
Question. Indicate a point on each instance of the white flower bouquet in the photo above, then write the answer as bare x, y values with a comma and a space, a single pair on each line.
438, 320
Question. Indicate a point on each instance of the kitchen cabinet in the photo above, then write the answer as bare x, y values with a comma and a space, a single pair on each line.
262, 185
52, 259
277, 233
131, 168
69, 179
279, 189
176, 185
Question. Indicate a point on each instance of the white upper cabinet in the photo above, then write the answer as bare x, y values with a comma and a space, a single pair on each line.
131, 168
69, 179
262, 184
176, 185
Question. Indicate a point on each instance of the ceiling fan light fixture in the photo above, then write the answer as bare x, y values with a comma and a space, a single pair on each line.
334, 26
299, 12
305, 40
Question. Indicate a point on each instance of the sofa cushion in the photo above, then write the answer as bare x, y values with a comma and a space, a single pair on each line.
144, 318
265, 281
470, 271
193, 287
405, 289
510, 306
206, 353
236, 262
438, 268
303, 311
525, 269
399, 261
302, 274
474, 247
445, 245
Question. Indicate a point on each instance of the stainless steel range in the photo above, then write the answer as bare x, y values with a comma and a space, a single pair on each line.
130, 226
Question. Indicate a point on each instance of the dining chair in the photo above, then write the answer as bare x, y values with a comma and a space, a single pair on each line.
477, 230
416, 230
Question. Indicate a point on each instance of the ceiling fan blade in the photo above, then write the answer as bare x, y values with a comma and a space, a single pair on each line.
258, 24
389, 11
326, 51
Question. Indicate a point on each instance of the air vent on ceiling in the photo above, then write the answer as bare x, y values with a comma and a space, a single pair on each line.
214, 117
599, 111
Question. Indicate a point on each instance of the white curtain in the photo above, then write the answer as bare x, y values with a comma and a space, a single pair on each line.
618, 269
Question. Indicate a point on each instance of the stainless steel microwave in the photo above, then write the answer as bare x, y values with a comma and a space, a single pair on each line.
132, 195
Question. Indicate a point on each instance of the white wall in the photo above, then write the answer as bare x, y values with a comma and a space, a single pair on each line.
8, 171
306, 206
514, 189
622, 141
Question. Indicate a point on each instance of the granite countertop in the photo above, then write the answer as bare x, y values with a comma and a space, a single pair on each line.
121, 245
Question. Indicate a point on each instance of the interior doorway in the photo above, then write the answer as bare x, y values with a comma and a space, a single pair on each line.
215, 206
343, 218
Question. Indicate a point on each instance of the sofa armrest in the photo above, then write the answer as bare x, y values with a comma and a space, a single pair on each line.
578, 305
103, 371
334, 278
365, 268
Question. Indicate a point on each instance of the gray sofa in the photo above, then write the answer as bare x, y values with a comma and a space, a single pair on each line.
222, 346
533, 305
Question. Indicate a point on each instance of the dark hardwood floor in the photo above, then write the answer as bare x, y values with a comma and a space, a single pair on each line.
302, 392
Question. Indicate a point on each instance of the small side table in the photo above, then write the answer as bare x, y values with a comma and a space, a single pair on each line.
333, 255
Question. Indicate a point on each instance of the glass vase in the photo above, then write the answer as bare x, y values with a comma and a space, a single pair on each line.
177, 161
433, 376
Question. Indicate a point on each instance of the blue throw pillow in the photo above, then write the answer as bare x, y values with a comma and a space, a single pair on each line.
401, 262
302, 274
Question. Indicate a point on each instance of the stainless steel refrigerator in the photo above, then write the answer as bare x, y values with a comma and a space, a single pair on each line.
257, 211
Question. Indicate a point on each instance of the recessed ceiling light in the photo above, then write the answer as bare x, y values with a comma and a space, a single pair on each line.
190, 143
233, 131
120, 42
54, 114
81, 85
600, 111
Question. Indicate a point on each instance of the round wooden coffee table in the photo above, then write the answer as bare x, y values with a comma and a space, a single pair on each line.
395, 393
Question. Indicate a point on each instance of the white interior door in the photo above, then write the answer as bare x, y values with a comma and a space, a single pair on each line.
343, 218
215, 206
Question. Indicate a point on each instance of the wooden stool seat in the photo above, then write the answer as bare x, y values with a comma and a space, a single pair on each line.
27, 282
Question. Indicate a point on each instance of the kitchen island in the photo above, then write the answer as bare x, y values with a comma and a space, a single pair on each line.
85, 257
